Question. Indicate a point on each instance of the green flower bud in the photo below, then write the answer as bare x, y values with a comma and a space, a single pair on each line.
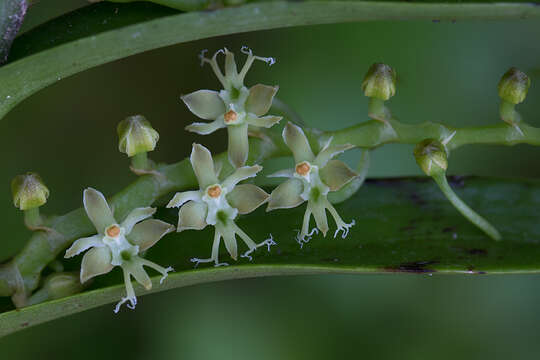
136, 136
431, 157
60, 285
28, 191
513, 86
380, 82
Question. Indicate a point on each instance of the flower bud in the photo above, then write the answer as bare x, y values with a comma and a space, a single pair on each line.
28, 191
380, 82
513, 86
60, 285
136, 135
431, 157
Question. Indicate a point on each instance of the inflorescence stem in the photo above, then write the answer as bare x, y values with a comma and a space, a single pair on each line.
44, 246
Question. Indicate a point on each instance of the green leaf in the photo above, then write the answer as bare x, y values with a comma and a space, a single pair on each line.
402, 226
105, 32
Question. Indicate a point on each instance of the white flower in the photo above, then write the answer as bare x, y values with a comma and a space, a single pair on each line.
311, 180
218, 204
119, 244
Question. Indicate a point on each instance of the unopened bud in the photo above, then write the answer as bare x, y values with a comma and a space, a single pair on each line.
514, 86
28, 191
136, 136
60, 285
431, 157
380, 82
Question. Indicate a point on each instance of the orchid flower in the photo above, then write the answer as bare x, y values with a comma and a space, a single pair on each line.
312, 178
119, 244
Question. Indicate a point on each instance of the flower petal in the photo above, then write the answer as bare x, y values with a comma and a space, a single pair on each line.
247, 197
245, 172
96, 262
180, 198
319, 213
229, 238
265, 121
97, 209
238, 144
330, 151
206, 104
83, 244
260, 99
286, 173
135, 216
297, 141
192, 216
203, 166
135, 268
231, 72
206, 128
286, 195
336, 174
148, 232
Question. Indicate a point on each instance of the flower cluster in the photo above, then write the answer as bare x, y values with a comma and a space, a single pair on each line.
221, 198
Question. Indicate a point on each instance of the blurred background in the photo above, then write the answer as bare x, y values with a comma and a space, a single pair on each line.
448, 72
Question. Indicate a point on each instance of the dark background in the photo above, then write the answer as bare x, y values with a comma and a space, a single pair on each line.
448, 72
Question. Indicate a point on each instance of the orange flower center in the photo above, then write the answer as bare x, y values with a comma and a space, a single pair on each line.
230, 116
214, 191
113, 231
303, 169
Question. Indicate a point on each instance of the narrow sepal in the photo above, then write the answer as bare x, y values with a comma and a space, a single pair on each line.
245, 172
247, 197
297, 141
336, 174
83, 244
96, 262
135, 216
180, 198
286, 195
97, 209
206, 128
229, 238
148, 232
265, 121
260, 99
329, 152
205, 104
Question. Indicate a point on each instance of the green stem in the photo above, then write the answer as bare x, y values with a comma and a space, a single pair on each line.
508, 113
464, 209
376, 109
32, 219
140, 161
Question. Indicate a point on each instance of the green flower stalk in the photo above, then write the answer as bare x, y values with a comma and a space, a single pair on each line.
136, 138
513, 88
235, 107
218, 204
432, 158
312, 178
119, 244
29, 194
379, 85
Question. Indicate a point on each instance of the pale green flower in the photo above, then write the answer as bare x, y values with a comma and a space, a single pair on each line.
218, 204
136, 135
119, 244
235, 107
311, 180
